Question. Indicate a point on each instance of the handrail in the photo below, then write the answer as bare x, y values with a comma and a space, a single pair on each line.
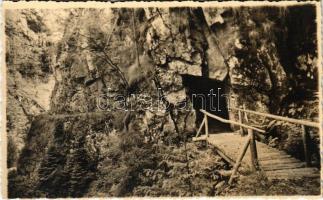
277, 117
251, 139
232, 122
198, 131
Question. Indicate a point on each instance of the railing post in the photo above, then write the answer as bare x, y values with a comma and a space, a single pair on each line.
253, 150
206, 126
238, 162
245, 113
306, 139
240, 121
201, 126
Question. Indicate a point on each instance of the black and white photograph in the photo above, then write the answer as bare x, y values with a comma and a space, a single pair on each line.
162, 100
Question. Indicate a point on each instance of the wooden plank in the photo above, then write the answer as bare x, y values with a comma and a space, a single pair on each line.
201, 138
294, 172
275, 156
278, 161
231, 122
287, 177
283, 166
268, 153
274, 163
264, 158
277, 117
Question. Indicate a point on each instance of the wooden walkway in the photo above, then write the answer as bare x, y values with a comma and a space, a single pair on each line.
274, 163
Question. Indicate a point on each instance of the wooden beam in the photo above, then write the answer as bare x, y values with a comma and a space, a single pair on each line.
240, 121
306, 138
206, 126
245, 114
266, 158
225, 157
253, 151
283, 166
238, 162
198, 132
277, 117
202, 138
232, 122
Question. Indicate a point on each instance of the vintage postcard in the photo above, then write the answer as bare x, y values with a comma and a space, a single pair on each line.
161, 99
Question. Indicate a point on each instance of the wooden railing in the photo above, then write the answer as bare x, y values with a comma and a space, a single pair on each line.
251, 136
280, 118
250, 140
303, 123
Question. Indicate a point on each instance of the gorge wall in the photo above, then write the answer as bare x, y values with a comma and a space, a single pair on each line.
31, 37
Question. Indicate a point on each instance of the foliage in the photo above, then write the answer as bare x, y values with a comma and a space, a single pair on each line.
56, 161
175, 175
125, 159
258, 58
273, 60
277, 64
257, 184
11, 152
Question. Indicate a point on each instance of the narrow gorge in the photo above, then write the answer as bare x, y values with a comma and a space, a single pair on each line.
96, 96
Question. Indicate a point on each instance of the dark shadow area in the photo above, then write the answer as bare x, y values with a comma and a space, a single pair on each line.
209, 95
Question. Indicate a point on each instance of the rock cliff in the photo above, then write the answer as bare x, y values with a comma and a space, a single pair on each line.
96, 137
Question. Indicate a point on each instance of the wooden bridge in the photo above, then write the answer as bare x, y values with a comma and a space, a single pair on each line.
275, 164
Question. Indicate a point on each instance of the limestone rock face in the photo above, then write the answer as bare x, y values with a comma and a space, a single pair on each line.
100, 68
172, 50
29, 58
214, 16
